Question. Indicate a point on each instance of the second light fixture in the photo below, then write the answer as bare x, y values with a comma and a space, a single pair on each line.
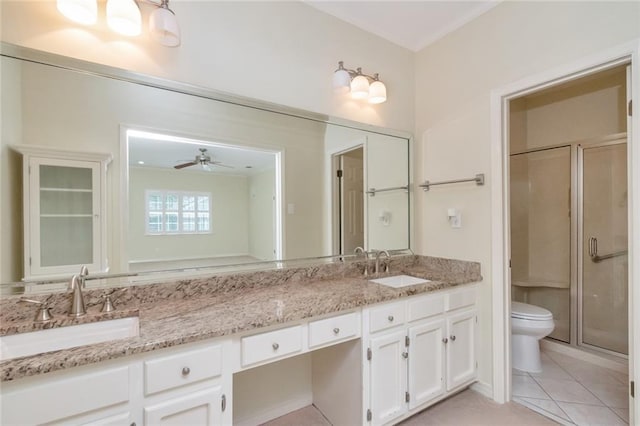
361, 86
124, 17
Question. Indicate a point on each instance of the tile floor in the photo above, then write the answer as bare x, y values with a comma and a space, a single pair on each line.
574, 392
467, 408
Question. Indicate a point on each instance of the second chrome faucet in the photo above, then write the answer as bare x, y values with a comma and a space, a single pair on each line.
77, 300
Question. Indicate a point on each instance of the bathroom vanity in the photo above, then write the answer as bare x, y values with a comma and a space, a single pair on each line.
246, 348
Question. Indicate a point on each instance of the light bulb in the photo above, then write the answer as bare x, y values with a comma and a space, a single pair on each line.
360, 87
377, 92
123, 17
83, 12
164, 26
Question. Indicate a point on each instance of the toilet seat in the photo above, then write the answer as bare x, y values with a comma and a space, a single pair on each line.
529, 312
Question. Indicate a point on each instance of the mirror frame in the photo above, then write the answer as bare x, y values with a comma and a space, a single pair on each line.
100, 70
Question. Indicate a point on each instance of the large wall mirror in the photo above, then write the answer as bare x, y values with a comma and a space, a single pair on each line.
193, 179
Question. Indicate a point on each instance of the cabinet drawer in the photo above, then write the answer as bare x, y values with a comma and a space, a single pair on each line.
181, 369
386, 316
333, 329
425, 306
461, 298
274, 344
72, 394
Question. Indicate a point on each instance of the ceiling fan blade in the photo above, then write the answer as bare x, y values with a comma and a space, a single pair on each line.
182, 166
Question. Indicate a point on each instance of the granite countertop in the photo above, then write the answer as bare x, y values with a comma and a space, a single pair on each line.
191, 310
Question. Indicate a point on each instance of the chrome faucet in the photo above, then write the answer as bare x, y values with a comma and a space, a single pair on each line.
77, 301
358, 250
378, 254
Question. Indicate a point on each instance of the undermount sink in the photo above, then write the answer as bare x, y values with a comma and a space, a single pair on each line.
53, 339
398, 281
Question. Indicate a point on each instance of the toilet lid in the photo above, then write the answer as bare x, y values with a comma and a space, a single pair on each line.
530, 312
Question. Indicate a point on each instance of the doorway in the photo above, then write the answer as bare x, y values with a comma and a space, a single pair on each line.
568, 235
350, 199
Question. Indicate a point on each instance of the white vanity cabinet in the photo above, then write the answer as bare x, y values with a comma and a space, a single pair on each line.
182, 385
64, 202
417, 350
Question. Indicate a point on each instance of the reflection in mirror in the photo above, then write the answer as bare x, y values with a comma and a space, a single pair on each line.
155, 216
200, 204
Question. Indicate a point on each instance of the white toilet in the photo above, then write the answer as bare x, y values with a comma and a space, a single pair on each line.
529, 324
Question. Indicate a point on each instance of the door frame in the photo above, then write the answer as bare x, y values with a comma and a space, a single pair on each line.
334, 160
628, 53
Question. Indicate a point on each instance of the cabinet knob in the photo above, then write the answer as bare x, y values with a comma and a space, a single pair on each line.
336, 330
453, 338
445, 340
186, 371
390, 318
405, 355
133, 424
275, 346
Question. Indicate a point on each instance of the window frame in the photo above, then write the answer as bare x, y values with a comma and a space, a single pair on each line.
180, 212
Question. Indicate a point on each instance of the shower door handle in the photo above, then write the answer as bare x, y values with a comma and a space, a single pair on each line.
593, 246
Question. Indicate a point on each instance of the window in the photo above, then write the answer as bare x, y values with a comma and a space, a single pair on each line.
178, 212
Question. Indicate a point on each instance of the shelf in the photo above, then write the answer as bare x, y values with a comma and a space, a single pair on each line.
66, 215
66, 190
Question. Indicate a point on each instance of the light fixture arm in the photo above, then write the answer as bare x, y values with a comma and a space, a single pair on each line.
356, 72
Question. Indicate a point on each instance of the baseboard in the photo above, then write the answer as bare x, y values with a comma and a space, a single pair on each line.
275, 412
483, 388
601, 359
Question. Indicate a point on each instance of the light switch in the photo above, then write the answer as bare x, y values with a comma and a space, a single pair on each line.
291, 208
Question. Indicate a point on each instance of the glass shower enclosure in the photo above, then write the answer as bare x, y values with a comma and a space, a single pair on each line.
569, 239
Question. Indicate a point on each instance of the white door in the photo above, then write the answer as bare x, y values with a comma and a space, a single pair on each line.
461, 352
426, 362
352, 203
388, 377
197, 408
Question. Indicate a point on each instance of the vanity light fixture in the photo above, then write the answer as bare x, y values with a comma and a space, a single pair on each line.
361, 86
124, 17
164, 25
83, 12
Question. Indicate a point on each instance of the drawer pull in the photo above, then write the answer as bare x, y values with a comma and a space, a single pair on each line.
186, 371
390, 318
336, 330
453, 338
445, 340
275, 346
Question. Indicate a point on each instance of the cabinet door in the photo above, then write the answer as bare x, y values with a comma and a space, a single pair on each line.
461, 352
197, 408
426, 362
64, 216
388, 377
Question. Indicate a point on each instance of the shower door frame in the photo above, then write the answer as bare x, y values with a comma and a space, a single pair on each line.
615, 139
573, 228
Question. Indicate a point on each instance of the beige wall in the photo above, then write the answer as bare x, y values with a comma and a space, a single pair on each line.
454, 79
229, 216
282, 52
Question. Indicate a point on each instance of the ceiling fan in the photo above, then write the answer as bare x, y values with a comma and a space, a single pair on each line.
204, 160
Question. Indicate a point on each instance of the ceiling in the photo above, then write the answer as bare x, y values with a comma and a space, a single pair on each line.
161, 151
410, 24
